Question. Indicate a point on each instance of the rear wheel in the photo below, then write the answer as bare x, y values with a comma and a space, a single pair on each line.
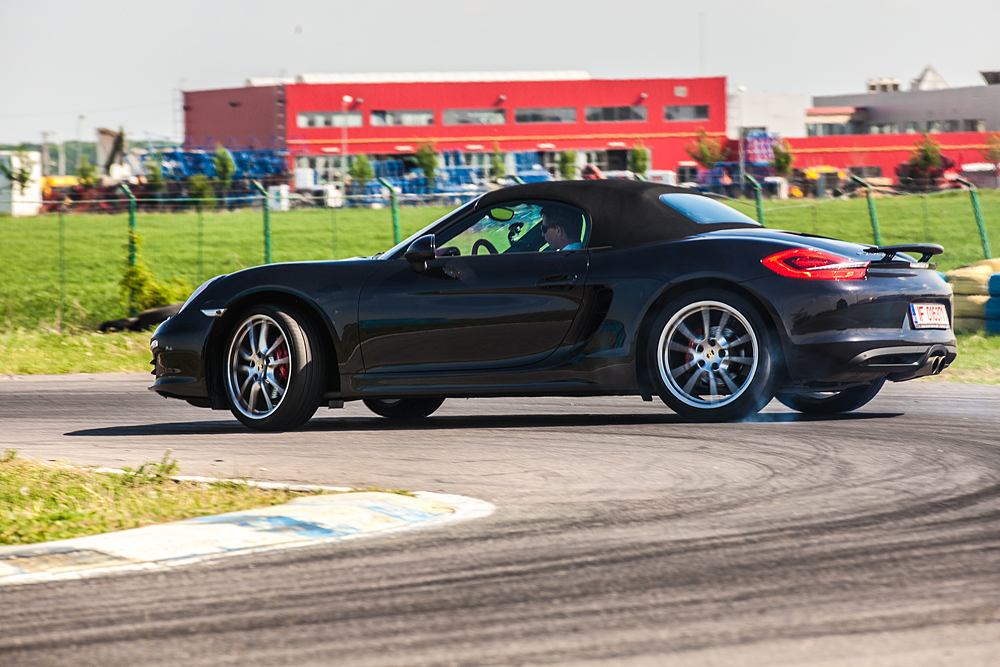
403, 408
710, 357
275, 369
832, 402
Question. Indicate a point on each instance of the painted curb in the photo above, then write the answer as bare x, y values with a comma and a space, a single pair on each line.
306, 521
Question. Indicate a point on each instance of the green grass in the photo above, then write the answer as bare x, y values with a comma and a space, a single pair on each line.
41, 502
95, 253
33, 352
978, 360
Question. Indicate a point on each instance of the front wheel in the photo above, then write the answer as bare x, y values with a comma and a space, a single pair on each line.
832, 402
710, 357
275, 369
403, 408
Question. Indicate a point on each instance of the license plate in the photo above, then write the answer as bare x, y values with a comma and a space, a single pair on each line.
929, 316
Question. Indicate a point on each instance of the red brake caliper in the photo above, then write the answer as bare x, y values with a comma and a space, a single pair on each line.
281, 353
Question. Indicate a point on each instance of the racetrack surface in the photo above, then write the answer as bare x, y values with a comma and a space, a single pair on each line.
622, 536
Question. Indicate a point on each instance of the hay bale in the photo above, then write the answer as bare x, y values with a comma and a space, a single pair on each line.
974, 279
971, 305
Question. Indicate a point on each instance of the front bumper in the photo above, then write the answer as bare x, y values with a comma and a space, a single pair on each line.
179, 346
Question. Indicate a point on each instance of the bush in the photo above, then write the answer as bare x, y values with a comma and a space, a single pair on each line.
140, 288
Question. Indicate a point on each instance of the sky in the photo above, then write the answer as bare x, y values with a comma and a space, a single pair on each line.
120, 63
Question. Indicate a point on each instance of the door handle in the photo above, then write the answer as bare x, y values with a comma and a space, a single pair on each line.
560, 282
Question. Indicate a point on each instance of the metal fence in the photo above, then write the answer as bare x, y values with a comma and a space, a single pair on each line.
65, 267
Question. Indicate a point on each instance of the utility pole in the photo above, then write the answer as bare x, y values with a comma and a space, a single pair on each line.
345, 100
79, 143
45, 154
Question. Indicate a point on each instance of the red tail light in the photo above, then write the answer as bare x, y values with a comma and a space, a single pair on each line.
815, 265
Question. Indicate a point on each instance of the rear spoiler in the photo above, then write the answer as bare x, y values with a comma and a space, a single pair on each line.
926, 251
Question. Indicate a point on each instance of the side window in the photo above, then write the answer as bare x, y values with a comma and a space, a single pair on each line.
517, 227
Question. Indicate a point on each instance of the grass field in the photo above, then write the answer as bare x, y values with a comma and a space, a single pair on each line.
175, 245
184, 246
57, 501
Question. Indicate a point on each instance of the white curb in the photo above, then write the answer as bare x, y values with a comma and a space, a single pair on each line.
305, 521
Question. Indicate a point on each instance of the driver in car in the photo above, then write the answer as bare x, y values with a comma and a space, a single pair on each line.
562, 228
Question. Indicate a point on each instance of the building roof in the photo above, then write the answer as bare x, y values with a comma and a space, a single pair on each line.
423, 77
929, 79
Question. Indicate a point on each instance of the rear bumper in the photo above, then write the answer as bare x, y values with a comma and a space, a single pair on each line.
849, 361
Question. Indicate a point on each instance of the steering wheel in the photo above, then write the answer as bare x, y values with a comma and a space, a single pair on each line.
490, 248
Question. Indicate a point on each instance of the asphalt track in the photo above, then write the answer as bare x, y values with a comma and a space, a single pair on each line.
621, 536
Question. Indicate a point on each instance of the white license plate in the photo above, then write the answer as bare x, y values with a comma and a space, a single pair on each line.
929, 316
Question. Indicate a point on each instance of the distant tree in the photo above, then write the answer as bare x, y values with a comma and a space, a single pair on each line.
154, 180
638, 159
225, 167
87, 173
200, 187
361, 171
992, 152
926, 154
926, 165
428, 161
21, 174
497, 168
707, 151
567, 165
783, 157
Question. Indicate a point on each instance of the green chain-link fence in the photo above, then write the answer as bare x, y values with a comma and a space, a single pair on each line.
66, 266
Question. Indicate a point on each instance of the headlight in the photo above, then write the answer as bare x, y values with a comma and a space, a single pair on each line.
198, 291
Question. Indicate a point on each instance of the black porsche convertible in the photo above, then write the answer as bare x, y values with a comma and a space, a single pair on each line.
577, 288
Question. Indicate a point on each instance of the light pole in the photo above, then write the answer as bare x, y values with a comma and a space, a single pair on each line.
344, 101
79, 143
741, 90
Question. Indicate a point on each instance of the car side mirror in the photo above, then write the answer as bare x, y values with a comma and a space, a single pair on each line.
420, 252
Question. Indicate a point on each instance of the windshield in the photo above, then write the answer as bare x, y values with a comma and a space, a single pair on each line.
405, 243
704, 210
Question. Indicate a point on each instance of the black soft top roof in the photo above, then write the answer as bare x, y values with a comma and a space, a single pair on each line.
623, 213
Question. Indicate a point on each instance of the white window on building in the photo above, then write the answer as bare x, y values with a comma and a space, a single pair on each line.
933, 126
551, 115
329, 119
409, 118
912, 127
475, 117
680, 91
975, 125
952, 126
616, 114
682, 113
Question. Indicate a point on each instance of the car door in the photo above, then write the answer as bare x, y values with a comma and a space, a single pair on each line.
473, 309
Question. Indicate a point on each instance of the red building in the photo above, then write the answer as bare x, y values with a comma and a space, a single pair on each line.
391, 115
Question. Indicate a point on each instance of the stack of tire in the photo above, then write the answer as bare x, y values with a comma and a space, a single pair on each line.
977, 296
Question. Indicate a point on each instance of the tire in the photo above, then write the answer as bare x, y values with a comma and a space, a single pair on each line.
279, 387
720, 372
831, 403
403, 408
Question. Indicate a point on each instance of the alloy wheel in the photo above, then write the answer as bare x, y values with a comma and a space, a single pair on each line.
707, 354
259, 367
